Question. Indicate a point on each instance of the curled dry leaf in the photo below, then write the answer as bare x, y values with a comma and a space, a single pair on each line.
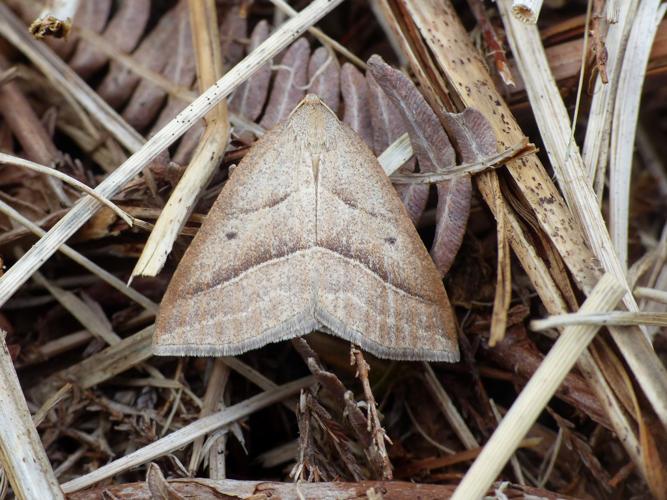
474, 139
324, 77
148, 98
233, 29
471, 134
434, 152
451, 216
181, 70
388, 125
355, 97
249, 99
289, 84
123, 33
120, 81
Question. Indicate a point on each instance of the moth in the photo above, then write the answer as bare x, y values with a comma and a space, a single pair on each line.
307, 234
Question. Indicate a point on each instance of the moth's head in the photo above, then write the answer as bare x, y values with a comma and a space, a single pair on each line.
312, 104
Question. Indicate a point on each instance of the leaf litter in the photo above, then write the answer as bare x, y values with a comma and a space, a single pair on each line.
122, 398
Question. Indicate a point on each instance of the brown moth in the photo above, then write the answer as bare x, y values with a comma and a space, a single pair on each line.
308, 233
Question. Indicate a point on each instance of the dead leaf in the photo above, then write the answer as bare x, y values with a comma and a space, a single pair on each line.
289, 84
324, 77
248, 101
355, 97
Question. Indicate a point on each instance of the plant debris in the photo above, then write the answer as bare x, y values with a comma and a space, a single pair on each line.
152, 104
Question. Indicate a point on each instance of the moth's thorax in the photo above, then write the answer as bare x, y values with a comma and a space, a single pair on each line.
314, 126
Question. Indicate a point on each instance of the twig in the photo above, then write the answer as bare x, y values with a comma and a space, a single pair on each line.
378, 432
82, 211
493, 44
103, 365
321, 36
21, 452
85, 262
367, 490
537, 393
6, 159
447, 407
189, 433
616, 318
527, 11
490, 163
642, 292
596, 144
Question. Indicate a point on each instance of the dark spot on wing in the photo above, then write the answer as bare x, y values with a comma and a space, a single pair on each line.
231, 235
391, 240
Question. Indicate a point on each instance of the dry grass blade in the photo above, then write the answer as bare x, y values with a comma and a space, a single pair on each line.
87, 316
101, 366
476, 167
447, 407
596, 144
189, 433
554, 125
616, 318
213, 400
651, 294
88, 264
21, 452
473, 86
537, 393
6, 159
625, 118
396, 154
322, 37
75, 218
208, 154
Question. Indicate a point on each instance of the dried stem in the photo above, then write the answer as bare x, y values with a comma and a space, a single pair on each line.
189, 433
21, 452
527, 11
616, 318
379, 435
209, 152
537, 393
6, 159
553, 121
